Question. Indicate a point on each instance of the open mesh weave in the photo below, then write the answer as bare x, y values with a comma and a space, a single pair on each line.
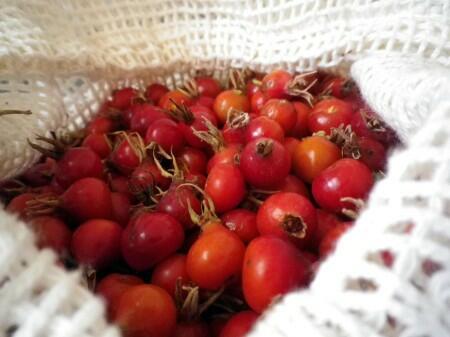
61, 59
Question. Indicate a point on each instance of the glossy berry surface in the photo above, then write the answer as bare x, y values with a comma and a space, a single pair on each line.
150, 238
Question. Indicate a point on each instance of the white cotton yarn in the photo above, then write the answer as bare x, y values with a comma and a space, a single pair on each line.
61, 59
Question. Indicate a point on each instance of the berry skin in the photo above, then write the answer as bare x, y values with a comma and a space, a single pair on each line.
347, 178
289, 216
265, 163
96, 243
225, 185
146, 311
150, 238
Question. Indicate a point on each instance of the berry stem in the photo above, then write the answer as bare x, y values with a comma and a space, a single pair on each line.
15, 112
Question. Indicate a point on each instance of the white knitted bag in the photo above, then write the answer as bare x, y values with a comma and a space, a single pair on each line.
61, 59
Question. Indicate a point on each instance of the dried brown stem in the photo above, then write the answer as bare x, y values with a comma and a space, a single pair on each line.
264, 148
14, 112
346, 139
181, 113
353, 213
300, 86
237, 119
212, 136
294, 226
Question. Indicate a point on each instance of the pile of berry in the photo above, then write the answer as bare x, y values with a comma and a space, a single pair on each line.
191, 210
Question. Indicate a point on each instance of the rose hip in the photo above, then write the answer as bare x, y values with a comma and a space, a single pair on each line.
265, 163
166, 134
144, 115
242, 222
272, 267
146, 310
347, 178
170, 271
87, 198
77, 163
150, 238
155, 91
112, 287
239, 324
289, 216
225, 185
96, 243
52, 232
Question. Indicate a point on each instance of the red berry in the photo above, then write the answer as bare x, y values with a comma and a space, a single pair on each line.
176, 202
166, 134
242, 222
192, 160
264, 127
326, 221
193, 120
289, 216
272, 267
292, 184
253, 87
226, 155
387, 257
112, 287
119, 183
282, 112
177, 96
101, 125
275, 84
98, 143
155, 91
230, 100
41, 173
225, 186
121, 206
205, 101
144, 178
337, 86
328, 114
128, 153
150, 238
265, 163
123, 98
167, 273
239, 324
215, 257
77, 163
301, 128
196, 179
257, 102
235, 133
347, 178
313, 155
96, 243
328, 244
146, 311
144, 115
18, 205
291, 144
52, 232
373, 153
87, 198
207, 86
